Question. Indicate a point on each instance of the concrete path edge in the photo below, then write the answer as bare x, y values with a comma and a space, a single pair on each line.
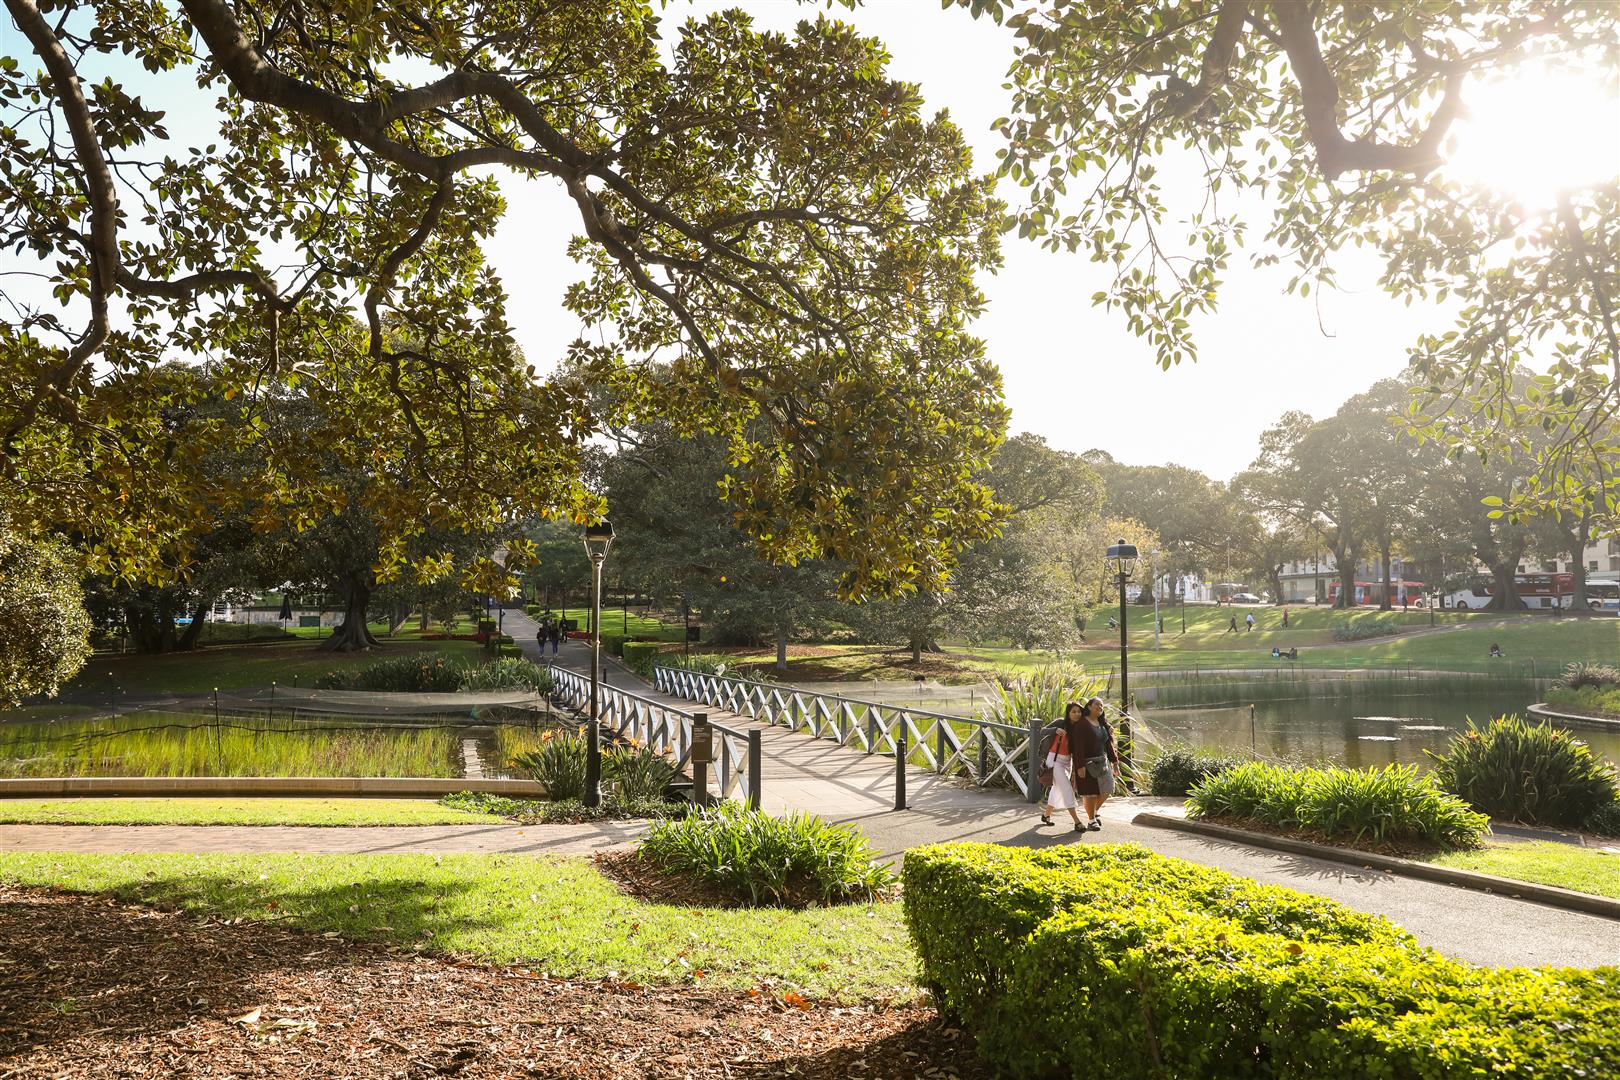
1551, 895
1542, 711
247, 786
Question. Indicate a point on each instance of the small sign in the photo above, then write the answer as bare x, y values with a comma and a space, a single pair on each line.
702, 743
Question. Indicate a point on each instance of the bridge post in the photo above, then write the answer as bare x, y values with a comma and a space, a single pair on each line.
1032, 763
942, 745
900, 767
756, 759
984, 754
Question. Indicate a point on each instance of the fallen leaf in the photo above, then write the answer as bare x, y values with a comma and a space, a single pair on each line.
249, 1017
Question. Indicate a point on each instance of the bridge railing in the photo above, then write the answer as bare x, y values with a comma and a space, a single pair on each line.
738, 758
984, 751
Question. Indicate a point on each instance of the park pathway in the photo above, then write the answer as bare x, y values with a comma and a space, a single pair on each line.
849, 786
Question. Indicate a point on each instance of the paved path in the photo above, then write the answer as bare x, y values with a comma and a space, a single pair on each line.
845, 785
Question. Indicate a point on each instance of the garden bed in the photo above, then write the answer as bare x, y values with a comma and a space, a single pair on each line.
120, 990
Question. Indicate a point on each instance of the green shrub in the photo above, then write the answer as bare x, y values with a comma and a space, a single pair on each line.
1581, 675
1605, 820
705, 663
419, 674
558, 763
1177, 770
1395, 804
508, 673
1526, 772
640, 656
1111, 961
640, 772
613, 644
1041, 696
758, 859
1361, 627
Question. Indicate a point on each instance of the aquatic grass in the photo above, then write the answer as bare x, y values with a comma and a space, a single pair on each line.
160, 744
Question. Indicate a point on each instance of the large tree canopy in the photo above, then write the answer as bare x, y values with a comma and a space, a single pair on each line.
1336, 116
768, 220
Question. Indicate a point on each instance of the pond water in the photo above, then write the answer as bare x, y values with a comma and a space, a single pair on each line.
1371, 729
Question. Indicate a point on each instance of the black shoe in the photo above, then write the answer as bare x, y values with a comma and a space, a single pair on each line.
1045, 820
1079, 827
1095, 826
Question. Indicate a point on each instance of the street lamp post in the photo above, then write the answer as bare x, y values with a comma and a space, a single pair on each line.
598, 539
1122, 560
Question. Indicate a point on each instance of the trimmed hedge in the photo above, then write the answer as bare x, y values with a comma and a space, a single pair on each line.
1111, 961
638, 654
613, 644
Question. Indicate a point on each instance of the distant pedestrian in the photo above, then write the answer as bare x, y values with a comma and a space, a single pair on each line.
555, 633
1249, 619
1285, 618
1232, 626
1404, 602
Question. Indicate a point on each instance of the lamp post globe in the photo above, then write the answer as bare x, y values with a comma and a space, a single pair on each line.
598, 540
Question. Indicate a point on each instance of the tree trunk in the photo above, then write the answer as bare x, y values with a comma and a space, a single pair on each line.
1507, 591
1346, 559
1577, 564
781, 646
151, 632
1387, 601
1275, 574
188, 639
353, 635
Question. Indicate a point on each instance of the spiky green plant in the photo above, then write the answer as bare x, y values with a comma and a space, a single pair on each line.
557, 762
1527, 772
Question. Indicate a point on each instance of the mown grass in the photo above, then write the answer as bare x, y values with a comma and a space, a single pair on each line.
244, 811
555, 914
1565, 866
238, 666
178, 744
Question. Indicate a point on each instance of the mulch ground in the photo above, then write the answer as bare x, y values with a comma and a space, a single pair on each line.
91, 987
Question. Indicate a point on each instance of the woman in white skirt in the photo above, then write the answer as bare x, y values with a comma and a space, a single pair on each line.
1060, 794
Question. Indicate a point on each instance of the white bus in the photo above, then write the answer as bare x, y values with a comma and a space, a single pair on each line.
1603, 595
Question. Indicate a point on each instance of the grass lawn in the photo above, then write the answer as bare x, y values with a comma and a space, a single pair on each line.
235, 667
132, 811
1585, 870
556, 914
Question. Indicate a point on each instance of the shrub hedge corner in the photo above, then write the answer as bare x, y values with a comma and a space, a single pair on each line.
1111, 961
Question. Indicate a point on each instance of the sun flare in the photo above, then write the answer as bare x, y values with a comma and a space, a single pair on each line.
1537, 132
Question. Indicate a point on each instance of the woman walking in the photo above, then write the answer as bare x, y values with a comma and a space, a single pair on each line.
1096, 760
1060, 762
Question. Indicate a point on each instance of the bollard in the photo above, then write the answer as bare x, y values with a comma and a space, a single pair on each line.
756, 759
900, 767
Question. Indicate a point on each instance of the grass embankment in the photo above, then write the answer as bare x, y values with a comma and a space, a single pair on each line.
235, 812
554, 914
1590, 700
163, 744
239, 666
1534, 645
1565, 866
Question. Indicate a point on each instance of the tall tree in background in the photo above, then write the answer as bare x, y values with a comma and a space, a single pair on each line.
1307, 474
1390, 469
1187, 510
771, 229
1335, 116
